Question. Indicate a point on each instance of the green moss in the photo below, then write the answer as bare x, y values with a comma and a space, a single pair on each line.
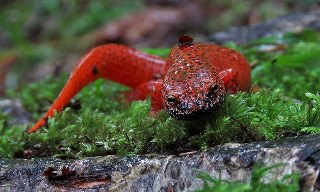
244, 117
288, 183
11, 140
293, 68
288, 104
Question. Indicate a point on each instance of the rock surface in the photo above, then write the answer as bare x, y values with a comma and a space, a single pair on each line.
232, 162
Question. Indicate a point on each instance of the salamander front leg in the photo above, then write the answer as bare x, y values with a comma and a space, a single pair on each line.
141, 92
229, 77
156, 101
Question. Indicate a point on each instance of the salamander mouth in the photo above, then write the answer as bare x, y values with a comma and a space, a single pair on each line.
180, 115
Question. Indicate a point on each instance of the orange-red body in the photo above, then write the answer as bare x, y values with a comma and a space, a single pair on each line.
191, 82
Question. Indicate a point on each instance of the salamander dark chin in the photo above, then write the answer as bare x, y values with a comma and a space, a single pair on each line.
198, 114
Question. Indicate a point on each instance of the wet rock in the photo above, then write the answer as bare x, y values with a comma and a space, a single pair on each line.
295, 23
232, 162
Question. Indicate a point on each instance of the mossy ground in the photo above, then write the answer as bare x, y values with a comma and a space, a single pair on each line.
287, 104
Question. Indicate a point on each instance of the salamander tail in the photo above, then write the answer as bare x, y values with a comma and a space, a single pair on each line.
40, 123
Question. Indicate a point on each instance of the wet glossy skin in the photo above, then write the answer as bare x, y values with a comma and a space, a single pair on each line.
191, 87
194, 85
191, 83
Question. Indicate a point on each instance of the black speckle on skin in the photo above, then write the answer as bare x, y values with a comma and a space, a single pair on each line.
95, 70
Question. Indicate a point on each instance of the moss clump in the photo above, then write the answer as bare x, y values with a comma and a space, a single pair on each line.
286, 105
244, 117
11, 140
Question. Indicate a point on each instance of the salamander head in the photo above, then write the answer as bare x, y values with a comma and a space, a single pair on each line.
192, 95
192, 87
192, 101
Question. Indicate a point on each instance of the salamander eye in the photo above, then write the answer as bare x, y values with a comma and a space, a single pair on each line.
213, 90
172, 100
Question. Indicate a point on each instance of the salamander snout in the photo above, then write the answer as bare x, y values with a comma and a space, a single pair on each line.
185, 105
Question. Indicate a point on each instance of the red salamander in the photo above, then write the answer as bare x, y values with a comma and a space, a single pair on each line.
191, 83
